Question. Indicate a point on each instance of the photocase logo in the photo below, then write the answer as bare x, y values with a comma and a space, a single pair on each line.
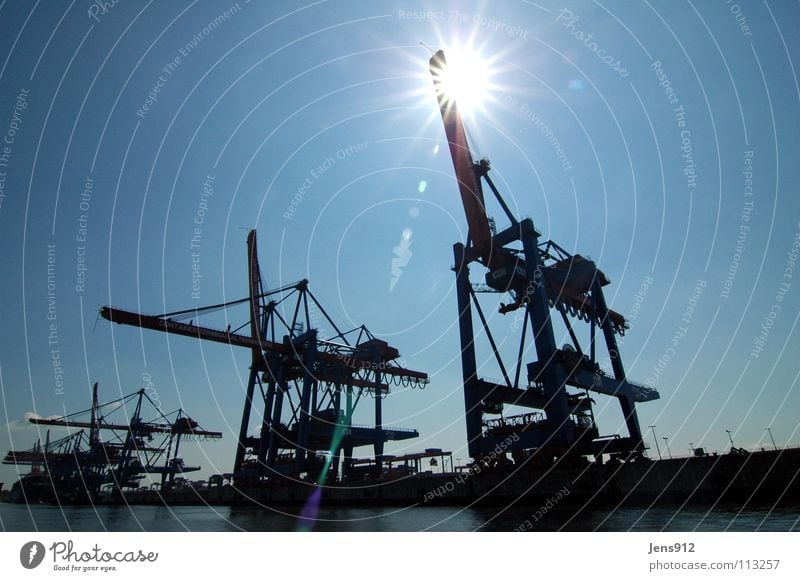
31, 554
402, 253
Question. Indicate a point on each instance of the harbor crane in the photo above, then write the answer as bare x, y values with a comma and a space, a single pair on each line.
544, 279
308, 385
115, 447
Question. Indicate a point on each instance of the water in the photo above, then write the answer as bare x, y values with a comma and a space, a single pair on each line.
14, 517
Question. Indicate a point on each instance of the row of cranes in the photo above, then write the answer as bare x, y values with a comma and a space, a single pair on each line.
303, 388
110, 446
321, 380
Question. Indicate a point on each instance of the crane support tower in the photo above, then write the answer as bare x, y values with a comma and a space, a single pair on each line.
307, 383
542, 278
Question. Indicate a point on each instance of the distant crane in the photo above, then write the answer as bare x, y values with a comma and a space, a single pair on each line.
540, 276
74, 469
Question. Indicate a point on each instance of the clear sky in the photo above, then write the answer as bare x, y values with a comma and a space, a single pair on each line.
659, 138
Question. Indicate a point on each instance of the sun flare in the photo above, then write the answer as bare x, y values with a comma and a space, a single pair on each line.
466, 79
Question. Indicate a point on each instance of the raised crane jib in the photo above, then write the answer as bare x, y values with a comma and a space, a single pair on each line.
469, 183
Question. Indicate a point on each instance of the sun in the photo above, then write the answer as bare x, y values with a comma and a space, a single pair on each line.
466, 79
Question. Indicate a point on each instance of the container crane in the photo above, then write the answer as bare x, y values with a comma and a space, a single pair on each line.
309, 386
541, 276
111, 448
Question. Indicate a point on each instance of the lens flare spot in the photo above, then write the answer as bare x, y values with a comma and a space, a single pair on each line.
576, 85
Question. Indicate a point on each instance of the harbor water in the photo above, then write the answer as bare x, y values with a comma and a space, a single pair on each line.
20, 517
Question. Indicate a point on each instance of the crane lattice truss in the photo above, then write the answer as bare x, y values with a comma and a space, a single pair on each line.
307, 385
114, 445
542, 277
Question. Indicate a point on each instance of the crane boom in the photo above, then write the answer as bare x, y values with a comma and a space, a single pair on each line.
469, 183
189, 330
142, 427
178, 328
567, 280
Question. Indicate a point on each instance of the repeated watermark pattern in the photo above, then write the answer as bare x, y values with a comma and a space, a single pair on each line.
363, 364
81, 235
542, 511
679, 115
149, 387
680, 332
460, 17
527, 111
744, 227
318, 171
638, 299
474, 469
782, 290
98, 8
633, 74
14, 125
52, 322
568, 20
206, 193
169, 69
740, 17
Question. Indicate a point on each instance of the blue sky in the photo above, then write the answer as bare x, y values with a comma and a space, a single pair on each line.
658, 138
